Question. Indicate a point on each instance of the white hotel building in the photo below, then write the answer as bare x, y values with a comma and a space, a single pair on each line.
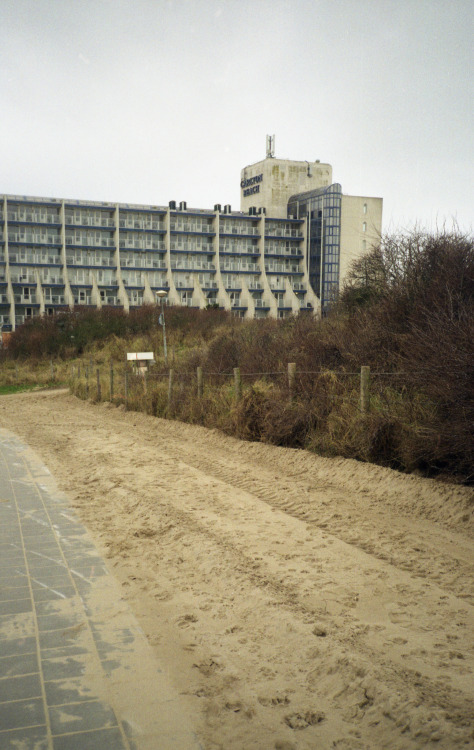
286, 250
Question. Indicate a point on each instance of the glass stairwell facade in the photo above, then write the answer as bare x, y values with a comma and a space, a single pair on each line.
321, 210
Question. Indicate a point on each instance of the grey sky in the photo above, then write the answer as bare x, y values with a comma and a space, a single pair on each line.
145, 101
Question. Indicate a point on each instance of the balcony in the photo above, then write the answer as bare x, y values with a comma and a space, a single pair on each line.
156, 226
280, 232
129, 243
89, 241
35, 258
27, 277
184, 247
278, 249
20, 299
194, 265
191, 227
239, 250
55, 299
34, 218
52, 280
239, 267
239, 230
280, 268
90, 221
142, 263
39, 239
84, 260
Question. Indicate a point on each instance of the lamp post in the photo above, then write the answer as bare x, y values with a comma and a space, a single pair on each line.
161, 294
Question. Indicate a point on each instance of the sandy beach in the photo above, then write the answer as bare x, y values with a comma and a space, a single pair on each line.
296, 602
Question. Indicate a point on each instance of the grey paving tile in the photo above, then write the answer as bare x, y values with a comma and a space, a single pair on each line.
33, 738
15, 580
80, 717
18, 664
54, 593
65, 637
15, 606
44, 559
101, 739
9, 593
49, 572
14, 568
26, 713
60, 651
58, 621
59, 692
51, 607
41, 579
17, 626
13, 646
63, 667
16, 688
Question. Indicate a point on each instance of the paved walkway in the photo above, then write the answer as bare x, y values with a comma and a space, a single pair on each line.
76, 672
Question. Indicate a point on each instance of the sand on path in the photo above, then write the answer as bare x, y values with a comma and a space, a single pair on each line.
296, 602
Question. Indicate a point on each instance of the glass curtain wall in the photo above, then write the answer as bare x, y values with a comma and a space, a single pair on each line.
322, 210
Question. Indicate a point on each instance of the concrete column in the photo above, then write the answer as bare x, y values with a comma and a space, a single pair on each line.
173, 295
268, 295
68, 295
223, 298
122, 292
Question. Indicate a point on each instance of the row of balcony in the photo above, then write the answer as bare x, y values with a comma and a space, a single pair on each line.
34, 217
146, 243
26, 276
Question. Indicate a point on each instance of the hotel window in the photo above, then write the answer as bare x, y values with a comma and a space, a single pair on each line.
364, 226
365, 208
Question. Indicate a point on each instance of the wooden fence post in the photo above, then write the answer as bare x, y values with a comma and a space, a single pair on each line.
145, 381
111, 380
125, 387
52, 370
237, 384
291, 379
364, 389
199, 382
170, 387
99, 393
86, 369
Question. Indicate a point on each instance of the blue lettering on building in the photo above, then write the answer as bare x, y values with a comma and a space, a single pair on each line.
251, 185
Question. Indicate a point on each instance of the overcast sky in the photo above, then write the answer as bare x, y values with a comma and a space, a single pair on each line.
146, 101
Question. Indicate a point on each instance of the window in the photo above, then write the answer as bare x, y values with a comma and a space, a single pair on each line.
364, 226
365, 208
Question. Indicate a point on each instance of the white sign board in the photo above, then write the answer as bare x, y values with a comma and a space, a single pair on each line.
134, 356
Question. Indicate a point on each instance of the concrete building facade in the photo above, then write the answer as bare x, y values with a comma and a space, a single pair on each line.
285, 251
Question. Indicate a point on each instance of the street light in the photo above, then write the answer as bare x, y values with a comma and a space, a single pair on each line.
161, 294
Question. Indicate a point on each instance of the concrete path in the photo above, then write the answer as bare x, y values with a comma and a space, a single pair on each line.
76, 672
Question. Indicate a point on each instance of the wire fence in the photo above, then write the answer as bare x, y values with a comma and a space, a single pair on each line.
117, 382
